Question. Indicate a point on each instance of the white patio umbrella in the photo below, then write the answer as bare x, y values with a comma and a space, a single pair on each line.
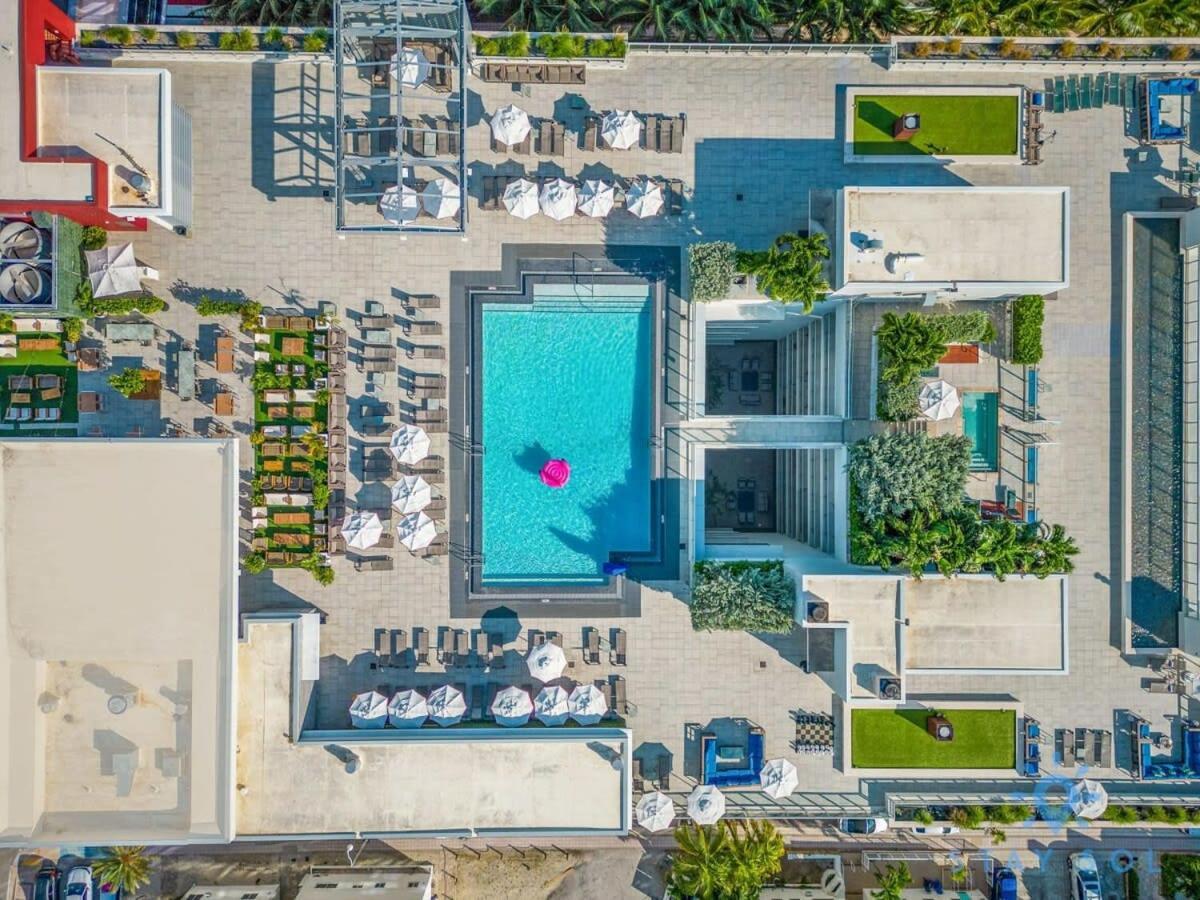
587, 704
546, 661
410, 444
706, 804
778, 778
512, 707
113, 270
362, 530
621, 129
400, 204
558, 199
446, 705
521, 198
407, 709
411, 68
655, 811
411, 494
1088, 799
596, 198
510, 125
416, 531
644, 199
442, 198
369, 710
551, 707
938, 400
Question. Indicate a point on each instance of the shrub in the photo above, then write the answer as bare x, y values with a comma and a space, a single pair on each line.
273, 36
895, 474
249, 312
320, 572
94, 237
954, 46
72, 329
257, 439
118, 34
923, 817
598, 48
898, 402
320, 495
316, 42
1122, 815
1010, 814
911, 343
253, 563
923, 50
736, 596
1022, 53
149, 34
617, 47
1104, 49
792, 270
1116, 51
515, 44
243, 40
1028, 313
1006, 48
128, 382
1180, 875
711, 269
561, 45
210, 306
487, 46
87, 38
1179, 53
1067, 49
968, 816
7, 323
185, 40
116, 306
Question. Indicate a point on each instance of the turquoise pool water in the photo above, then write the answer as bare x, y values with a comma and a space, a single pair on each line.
565, 377
981, 423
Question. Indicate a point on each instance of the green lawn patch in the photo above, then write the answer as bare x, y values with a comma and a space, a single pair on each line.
897, 739
40, 362
963, 125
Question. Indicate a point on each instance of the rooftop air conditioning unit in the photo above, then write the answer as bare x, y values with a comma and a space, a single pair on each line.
888, 688
818, 611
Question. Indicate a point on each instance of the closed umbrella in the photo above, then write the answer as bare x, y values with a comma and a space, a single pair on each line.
446, 705
410, 444
551, 705
407, 709
706, 804
362, 530
442, 198
546, 661
411, 494
400, 204
416, 531
621, 129
510, 125
1088, 799
587, 704
512, 707
938, 400
558, 199
113, 270
411, 67
778, 778
369, 710
521, 198
644, 199
655, 811
596, 198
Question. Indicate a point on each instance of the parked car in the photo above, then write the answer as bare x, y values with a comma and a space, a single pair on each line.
45, 885
870, 825
1085, 877
1003, 884
79, 883
931, 830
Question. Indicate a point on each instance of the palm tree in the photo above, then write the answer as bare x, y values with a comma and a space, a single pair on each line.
573, 15
522, 15
757, 853
956, 17
1000, 547
270, 12
912, 542
648, 17
1054, 549
700, 867
869, 21
868, 547
791, 270
1036, 17
1174, 17
125, 868
1115, 18
892, 882
722, 20
907, 345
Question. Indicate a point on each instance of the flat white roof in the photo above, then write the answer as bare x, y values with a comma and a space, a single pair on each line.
118, 604
973, 237
534, 780
398, 883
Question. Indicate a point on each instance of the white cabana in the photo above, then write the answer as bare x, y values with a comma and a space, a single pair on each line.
369, 710
778, 778
551, 705
411, 494
558, 199
596, 198
587, 704
442, 198
510, 125
521, 198
400, 204
938, 400
362, 530
410, 444
416, 531
1088, 799
706, 804
446, 705
113, 270
546, 661
621, 129
644, 199
407, 709
411, 67
512, 707
655, 811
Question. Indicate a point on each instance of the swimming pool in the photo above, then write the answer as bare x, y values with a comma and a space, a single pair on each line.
981, 423
565, 377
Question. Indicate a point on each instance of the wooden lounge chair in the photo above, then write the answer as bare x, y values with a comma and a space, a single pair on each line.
462, 647
663, 774
419, 352
674, 194
423, 329
620, 704
591, 133
478, 694
423, 301
437, 548
606, 689
445, 645
618, 647
479, 648
551, 138
495, 650
591, 646
677, 133
650, 134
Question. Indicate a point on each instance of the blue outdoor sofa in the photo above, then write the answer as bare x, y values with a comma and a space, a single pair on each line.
1187, 767
746, 772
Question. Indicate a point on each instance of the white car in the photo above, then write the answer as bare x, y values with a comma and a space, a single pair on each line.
79, 884
1085, 877
872, 825
932, 830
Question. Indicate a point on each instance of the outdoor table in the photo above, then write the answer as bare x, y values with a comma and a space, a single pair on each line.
293, 346
21, 397
223, 404
88, 401
187, 373
224, 363
142, 332
225, 342
377, 336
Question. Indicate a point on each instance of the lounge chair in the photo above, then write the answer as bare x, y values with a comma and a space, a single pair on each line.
651, 135
423, 301
422, 649
551, 137
420, 352
618, 647
495, 650
445, 645
591, 133
480, 648
478, 693
620, 704
606, 689
591, 646
424, 329
664, 772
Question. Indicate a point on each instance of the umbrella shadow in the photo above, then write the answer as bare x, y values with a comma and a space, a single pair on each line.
502, 622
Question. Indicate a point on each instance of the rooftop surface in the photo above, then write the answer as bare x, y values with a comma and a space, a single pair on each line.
950, 124
122, 634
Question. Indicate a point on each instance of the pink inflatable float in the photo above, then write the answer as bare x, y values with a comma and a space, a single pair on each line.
555, 473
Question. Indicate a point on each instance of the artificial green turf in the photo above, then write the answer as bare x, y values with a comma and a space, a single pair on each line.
964, 125
897, 739
41, 362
